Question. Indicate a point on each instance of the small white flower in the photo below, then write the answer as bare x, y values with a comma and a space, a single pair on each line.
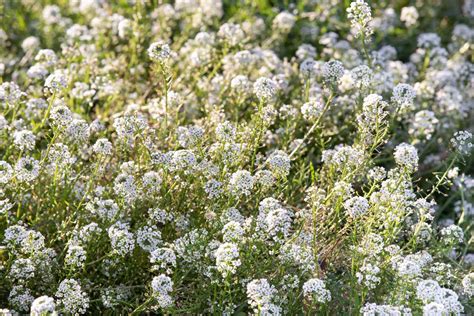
265, 89
162, 286
406, 156
43, 305
241, 182
356, 206
159, 51
315, 289
227, 258
56, 81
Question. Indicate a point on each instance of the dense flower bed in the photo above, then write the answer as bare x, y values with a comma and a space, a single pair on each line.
236, 157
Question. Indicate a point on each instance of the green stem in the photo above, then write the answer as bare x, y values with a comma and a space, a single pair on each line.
316, 124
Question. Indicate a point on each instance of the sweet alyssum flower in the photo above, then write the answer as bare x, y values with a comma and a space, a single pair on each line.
27, 169
6, 172
159, 51
360, 15
102, 146
356, 206
409, 15
462, 141
279, 163
71, 298
312, 110
333, 71
265, 89
406, 156
315, 289
43, 305
227, 258
162, 286
56, 82
241, 182
260, 293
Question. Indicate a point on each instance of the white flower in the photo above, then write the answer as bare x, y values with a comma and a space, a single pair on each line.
103, 147
232, 232
403, 95
27, 169
428, 290
241, 182
75, 256
368, 275
308, 67
240, 84
423, 124
20, 298
30, 43
71, 298
231, 33
468, 284
227, 258
434, 309
284, 22
225, 131
56, 81
47, 57
428, 40
6, 172
462, 142
121, 239
260, 293
315, 289
61, 115
265, 89
360, 15
78, 131
409, 15
148, 238
312, 110
162, 286
43, 305
162, 258
356, 206
406, 156
279, 163
159, 51
333, 71
452, 234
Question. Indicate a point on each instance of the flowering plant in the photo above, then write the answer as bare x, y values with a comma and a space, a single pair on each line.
236, 157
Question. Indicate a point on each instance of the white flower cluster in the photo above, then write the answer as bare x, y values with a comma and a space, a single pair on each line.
312, 110
368, 275
241, 182
265, 89
159, 51
356, 206
71, 298
315, 289
260, 295
462, 141
360, 15
162, 286
406, 156
452, 234
438, 300
227, 258
43, 305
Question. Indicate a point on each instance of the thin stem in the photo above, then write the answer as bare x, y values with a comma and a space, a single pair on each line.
441, 180
316, 124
